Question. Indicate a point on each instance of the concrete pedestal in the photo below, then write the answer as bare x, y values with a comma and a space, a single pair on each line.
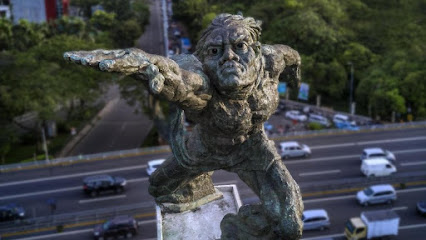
202, 223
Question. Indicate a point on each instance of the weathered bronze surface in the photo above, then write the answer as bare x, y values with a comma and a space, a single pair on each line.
228, 87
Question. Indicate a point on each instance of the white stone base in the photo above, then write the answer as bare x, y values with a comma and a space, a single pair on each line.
203, 223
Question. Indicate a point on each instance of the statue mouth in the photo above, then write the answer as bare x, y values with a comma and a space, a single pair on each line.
232, 68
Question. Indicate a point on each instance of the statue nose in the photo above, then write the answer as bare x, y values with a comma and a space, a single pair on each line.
229, 54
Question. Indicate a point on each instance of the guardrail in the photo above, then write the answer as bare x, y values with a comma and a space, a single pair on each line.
160, 149
91, 216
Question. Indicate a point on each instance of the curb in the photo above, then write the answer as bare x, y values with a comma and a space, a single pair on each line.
81, 134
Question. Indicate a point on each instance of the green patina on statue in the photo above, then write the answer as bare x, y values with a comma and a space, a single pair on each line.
228, 87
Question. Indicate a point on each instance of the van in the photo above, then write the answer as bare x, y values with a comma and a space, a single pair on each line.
293, 149
315, 219
383, 193
375, 167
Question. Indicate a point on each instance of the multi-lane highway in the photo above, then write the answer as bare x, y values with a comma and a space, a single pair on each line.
334, 161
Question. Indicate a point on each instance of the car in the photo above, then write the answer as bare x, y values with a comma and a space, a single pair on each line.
315, 118
296, 115
95, 185
382, 193
339, 118
11, 211
315, 219
293, 149
421, 207
377, 152
153, 165
119, 226
376, 167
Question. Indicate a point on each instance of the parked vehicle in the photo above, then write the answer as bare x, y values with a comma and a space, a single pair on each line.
338, 118
319, 119
375, 167
315, 219
153, 165
296, 115
373, 224
95, 185
120, 226
11, 212
421, 207
383, 193
377, 152
293, 149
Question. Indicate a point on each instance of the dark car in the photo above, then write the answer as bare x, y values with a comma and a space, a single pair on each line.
421, 208
95, 185
118, 226
11, 212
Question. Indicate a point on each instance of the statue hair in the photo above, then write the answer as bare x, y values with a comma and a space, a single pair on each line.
228, 20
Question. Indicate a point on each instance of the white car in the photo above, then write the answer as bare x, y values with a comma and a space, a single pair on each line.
377, 152
383, 193
153, 165
293, 149
296, 115
315, 219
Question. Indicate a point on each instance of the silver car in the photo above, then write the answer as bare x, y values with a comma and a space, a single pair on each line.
293, 149
315, 219
383, 193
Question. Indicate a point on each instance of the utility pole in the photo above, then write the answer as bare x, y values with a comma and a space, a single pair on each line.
351, 86
43, 135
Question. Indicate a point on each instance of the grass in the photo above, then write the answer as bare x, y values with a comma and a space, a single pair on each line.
30, 148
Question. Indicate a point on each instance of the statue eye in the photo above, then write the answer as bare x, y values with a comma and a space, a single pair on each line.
240, 46
213, 51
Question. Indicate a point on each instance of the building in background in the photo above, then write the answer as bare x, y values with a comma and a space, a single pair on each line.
4, 9
38, 11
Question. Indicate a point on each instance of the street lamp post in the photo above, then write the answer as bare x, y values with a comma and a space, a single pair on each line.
351, 86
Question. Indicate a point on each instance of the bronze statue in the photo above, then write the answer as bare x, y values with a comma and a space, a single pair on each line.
228, 88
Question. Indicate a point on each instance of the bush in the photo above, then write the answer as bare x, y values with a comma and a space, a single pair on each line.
314, 126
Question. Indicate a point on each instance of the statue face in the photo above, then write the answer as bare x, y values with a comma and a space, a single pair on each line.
230, 61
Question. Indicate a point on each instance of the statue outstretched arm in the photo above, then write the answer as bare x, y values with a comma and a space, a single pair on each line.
284, 61
163, 76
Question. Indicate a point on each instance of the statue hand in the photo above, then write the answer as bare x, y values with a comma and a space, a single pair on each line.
126, 61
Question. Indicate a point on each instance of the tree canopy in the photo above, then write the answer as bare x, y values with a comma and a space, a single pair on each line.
382, 39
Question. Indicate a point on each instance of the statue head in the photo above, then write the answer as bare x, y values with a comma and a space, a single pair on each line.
230, 52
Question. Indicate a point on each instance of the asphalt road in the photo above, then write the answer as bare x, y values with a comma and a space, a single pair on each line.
122, 128
32, 188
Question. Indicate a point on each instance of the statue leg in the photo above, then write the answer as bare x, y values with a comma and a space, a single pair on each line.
279, 215
173, 183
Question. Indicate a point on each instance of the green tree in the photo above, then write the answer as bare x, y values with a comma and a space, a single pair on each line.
102, 20
6, 34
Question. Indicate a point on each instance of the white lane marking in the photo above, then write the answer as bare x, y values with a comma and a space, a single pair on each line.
411, 190
319, 173
368, 142
400, 208
40, 193
320, 159
73, 175
412, 163
342, 235
56, 235
333, 145
147, 222
60, 190
101, 199
354, 196
329, 199
412, 226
